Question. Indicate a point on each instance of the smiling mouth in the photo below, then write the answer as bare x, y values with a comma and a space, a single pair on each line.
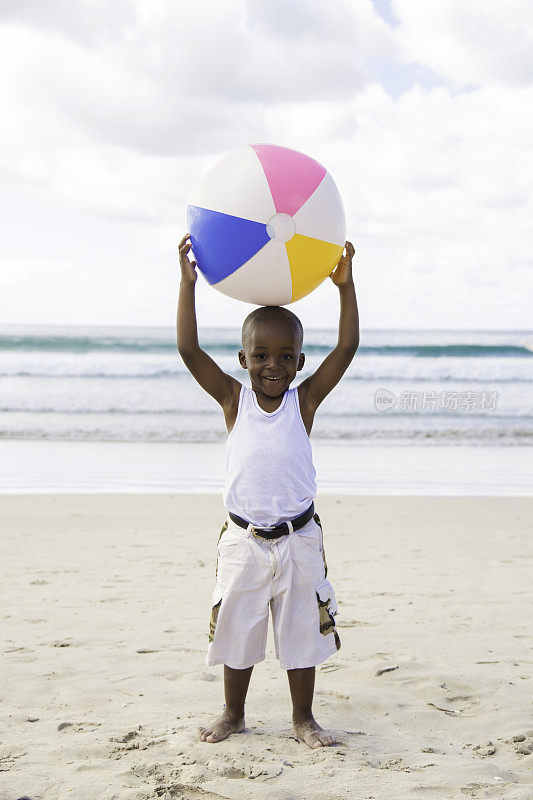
280, 378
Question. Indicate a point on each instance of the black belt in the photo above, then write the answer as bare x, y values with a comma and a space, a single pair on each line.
278, 530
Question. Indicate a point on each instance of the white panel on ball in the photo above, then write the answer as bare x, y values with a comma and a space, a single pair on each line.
265, 279
236, 185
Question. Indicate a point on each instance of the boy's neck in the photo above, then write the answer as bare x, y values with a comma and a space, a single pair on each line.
269, 404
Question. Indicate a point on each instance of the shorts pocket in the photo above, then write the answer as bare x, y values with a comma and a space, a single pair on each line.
326, 595
327, 608
215, 608
233, 548
310, 536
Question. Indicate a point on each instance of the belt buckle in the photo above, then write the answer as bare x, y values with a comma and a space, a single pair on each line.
258, 535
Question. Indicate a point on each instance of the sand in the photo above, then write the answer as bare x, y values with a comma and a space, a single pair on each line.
104, 612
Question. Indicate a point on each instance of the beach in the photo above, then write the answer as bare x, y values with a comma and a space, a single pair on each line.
325, 208
105, 609
111, 477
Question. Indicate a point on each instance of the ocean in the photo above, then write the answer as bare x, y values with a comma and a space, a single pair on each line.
403, 389
129, 384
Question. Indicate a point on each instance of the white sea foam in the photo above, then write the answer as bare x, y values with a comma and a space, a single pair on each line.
131, 385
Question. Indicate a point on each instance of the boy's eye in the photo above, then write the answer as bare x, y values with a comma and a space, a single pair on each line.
262, 355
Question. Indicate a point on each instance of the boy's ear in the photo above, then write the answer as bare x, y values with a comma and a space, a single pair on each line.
301, 362
242, 359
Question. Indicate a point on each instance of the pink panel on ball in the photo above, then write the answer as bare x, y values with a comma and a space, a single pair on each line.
292, 176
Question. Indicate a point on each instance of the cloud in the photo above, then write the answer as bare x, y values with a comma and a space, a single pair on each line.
470, 43
87, 21
105, 103
113, 111
341, 22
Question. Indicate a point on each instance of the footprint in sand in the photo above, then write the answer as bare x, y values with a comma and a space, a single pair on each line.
127, 737
252, 766
332, 693
78, 727
134, 740
7, 761
523, 743
485, 749
173, 676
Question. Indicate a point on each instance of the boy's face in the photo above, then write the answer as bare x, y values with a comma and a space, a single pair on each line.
272, 357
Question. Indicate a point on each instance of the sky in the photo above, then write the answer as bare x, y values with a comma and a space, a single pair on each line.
421, 111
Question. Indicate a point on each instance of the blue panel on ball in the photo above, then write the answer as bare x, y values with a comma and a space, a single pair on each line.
222, 243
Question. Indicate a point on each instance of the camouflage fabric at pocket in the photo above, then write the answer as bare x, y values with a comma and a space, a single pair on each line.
213, 619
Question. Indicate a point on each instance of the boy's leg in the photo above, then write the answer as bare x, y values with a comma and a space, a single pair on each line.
302, 686
236, 682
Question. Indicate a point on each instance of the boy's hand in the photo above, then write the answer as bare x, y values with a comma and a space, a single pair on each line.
188, 271
343, 271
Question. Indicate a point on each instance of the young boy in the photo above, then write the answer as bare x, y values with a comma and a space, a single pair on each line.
270, 550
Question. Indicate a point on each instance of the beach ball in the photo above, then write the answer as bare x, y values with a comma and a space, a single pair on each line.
267, 224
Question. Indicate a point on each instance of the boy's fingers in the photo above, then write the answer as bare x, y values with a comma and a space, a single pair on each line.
187, 236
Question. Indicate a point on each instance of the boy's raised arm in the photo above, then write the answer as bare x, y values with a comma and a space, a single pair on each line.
318, 385
202, 367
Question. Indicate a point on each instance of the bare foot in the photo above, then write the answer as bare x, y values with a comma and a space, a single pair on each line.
312, 734
221, 728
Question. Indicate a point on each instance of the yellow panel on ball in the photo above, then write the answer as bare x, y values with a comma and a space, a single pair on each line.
310, 261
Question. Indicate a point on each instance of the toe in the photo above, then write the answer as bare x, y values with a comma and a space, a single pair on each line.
313, 740
327, 739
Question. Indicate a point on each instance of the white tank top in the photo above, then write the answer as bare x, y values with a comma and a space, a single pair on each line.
270, 476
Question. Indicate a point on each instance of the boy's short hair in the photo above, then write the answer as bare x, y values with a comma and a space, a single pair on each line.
276, 314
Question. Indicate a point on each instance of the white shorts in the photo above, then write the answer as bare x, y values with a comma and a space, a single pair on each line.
288, 575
